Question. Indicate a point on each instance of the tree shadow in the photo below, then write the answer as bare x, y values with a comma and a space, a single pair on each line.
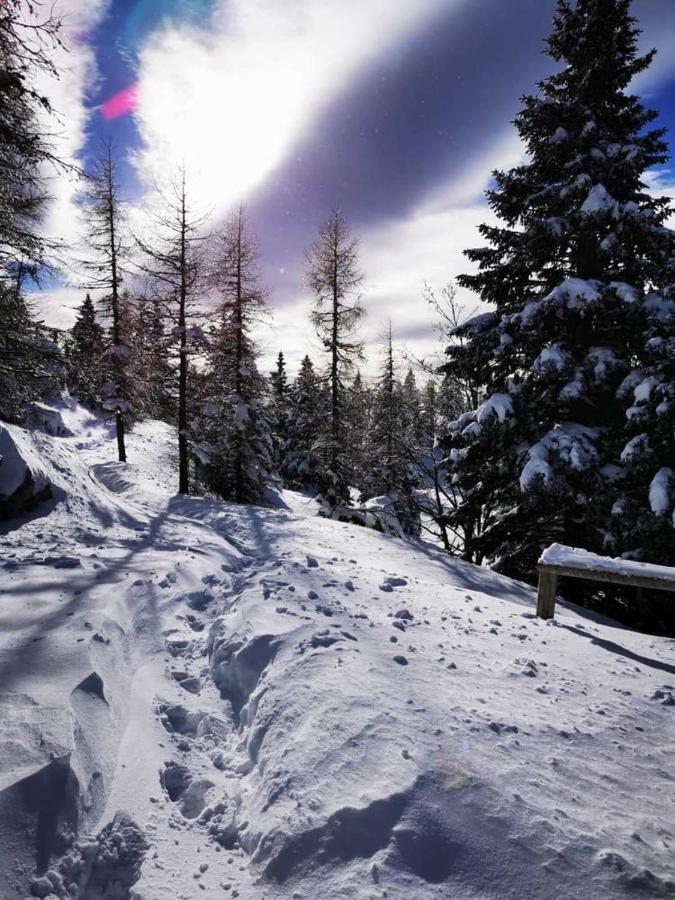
622, 651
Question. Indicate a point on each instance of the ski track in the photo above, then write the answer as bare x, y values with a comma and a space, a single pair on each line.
260, 704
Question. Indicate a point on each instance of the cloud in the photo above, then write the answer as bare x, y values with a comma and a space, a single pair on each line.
56, 308
75, 63
231, 102
398, 259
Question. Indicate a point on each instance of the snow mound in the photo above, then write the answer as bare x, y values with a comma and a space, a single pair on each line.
23, 476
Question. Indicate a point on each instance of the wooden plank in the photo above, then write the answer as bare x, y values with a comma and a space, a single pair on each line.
548, 582
643, 581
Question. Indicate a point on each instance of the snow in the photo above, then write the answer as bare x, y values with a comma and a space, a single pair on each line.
661, 307
643, 390
560, 555
499, 405
636, 448
569, 444
660, 491
222, 701
604, 361
625, 292
19, 462
560, 136
553, 357
573, 389
598, 200
575, 292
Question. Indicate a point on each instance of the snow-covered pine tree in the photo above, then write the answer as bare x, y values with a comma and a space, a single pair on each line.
410, 410
86, 373
278, 412
392, 448
103, 211
307, 409
27, 37
359, 401
174, 261
334, 277
236, 447
572, 360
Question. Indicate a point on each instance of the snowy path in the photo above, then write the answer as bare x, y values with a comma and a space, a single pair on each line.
287, 707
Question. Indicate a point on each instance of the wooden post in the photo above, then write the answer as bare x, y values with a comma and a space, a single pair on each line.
548, 584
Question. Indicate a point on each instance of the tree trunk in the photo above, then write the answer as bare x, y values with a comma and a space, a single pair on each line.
119, 427
334, 376
117, 335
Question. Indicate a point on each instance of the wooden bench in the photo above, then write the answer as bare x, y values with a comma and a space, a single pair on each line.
560, 561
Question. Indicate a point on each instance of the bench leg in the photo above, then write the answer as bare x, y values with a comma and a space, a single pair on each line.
548, 584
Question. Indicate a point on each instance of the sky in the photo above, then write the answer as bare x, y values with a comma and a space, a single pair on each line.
394, 112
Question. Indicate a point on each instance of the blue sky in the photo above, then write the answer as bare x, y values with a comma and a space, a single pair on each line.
398, 117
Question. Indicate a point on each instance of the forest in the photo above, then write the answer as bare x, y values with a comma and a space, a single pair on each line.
544, 413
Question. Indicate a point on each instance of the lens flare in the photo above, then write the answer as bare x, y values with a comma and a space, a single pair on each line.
120, 104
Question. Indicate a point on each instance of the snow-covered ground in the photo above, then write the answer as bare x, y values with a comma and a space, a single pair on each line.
201, 700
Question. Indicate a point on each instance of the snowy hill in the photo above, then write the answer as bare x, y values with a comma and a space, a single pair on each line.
203, 700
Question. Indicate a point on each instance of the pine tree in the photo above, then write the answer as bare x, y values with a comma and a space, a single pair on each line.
393, 446
359, 401
236, 430
410, 410
279, 412
174, 260
103, 210
304, 460
27, 37
573, 361
86, 346
334, 277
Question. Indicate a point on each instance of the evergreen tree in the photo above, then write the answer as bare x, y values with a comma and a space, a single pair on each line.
86, 345
334, 277
236, 430
279, 412
304, 460
410, 411
359, 403
393, 446
27, 37
574, 361
20, 356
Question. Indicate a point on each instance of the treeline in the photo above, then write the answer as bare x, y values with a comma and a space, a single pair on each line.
367, 447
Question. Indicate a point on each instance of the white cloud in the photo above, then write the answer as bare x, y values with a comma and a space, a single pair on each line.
77, 74
56, 308
231, 102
